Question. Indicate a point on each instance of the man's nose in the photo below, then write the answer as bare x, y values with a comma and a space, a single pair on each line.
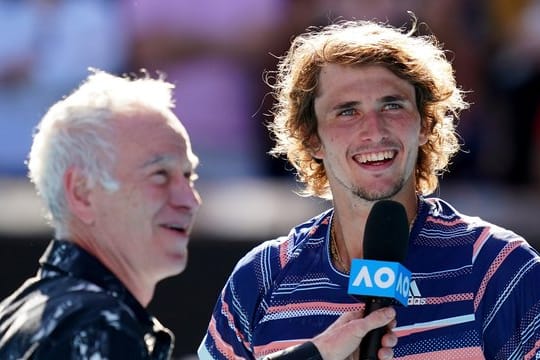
184, 194
373, 126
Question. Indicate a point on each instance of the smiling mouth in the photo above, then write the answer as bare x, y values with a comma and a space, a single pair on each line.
375, 158
176, 228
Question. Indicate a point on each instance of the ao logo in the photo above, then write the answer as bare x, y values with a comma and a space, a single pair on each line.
379, 278
384, 277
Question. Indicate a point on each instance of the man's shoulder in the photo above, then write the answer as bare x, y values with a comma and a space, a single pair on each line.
441, 213
310, 233
490, 242
58, 298
52, 309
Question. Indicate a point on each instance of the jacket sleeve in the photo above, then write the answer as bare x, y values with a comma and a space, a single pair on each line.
103, 332
93, 343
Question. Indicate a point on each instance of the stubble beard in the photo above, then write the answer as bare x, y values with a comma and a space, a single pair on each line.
369, 195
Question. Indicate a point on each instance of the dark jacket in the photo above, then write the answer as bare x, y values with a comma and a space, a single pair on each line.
75, 308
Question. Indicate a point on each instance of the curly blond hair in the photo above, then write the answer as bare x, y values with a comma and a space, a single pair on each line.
420, 60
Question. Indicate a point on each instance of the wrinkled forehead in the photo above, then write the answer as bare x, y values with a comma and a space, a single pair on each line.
148, 136
149, 123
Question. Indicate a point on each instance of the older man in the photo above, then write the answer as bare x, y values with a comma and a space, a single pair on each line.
116, 171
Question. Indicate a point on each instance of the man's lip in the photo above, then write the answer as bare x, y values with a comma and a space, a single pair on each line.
375, 157
180, 228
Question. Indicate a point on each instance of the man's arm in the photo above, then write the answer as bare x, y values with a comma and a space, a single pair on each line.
507, 303
93, 342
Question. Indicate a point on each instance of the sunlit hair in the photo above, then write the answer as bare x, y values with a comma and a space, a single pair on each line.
420, 60
76, 131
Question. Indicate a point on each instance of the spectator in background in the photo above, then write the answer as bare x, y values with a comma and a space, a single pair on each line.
213, 51
45, 49
461, 26
515, 66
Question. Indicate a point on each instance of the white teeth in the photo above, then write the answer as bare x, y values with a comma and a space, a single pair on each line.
378, 156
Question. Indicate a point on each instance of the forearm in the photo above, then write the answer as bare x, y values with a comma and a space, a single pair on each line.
305, 351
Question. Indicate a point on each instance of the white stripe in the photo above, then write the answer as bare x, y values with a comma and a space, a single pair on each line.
203, 353
413, 289
442, 273
437, 323
507, 292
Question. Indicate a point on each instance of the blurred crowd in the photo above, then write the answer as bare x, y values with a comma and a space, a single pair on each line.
217, 52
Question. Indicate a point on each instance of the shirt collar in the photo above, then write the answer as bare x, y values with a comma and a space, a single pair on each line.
66, 257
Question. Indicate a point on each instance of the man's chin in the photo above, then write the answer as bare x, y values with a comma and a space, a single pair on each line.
371, 194
175, 264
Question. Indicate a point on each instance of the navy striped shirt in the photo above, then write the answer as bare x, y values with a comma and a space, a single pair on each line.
474, 292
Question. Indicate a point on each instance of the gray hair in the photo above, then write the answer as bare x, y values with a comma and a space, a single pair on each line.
76, 131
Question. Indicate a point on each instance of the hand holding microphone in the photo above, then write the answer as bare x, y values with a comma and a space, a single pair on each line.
341, 339
379, 279
338, 343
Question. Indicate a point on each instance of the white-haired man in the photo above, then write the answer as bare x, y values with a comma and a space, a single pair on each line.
115, 169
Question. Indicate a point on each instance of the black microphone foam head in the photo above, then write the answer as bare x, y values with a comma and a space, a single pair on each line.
386, 235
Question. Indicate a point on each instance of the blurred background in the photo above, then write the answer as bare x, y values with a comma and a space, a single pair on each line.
216, 53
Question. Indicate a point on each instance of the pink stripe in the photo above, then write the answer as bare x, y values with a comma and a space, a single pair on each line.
534, 352
471, 353
333, 307
223, 347
480, 242
503, 254
444, 222
263, 350
449, 298
283, 258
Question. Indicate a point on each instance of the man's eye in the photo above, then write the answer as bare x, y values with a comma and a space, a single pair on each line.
392, 106
160, 177
347, 112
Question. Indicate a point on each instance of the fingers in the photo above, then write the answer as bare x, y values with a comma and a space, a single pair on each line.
346, 317
385, 353
379, 318
343, 337
389, 339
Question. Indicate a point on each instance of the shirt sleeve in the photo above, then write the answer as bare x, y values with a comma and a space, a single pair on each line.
236, 311
507, 303
305, 351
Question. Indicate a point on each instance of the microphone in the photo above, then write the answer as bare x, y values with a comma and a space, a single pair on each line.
379, 279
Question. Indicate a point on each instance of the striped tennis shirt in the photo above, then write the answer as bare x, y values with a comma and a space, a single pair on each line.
474, 294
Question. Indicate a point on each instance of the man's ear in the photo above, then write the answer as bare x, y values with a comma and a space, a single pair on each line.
316, 148
423, 138
78, 193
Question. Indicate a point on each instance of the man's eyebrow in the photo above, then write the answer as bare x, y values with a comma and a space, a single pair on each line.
168, 159
396, 97
346, 105
158, 159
